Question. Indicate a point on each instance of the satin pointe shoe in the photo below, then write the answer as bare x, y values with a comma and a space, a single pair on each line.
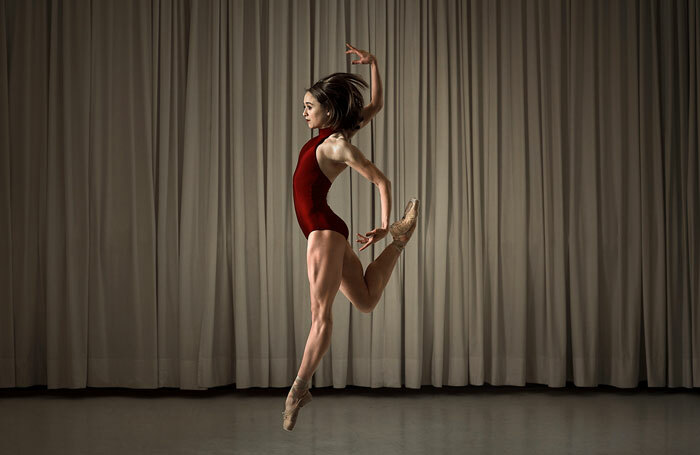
402, 230
290, 413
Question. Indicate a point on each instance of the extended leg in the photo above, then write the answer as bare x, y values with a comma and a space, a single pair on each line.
324, 261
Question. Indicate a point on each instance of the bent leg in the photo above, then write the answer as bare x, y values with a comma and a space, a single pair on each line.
364, 289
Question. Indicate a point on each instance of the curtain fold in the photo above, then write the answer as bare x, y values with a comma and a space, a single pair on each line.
147, 231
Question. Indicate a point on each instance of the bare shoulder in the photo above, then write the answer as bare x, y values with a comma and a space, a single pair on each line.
339, 149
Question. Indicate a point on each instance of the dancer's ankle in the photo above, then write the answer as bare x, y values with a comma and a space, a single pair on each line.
398, 244
301, 383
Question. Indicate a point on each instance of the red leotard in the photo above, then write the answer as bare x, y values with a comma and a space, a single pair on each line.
310, 190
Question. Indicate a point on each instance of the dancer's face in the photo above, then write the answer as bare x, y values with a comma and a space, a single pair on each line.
314, 114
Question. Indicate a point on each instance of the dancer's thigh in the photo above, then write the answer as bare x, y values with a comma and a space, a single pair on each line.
353, 284
324, 259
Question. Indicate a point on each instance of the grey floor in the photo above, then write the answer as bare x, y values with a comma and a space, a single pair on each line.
475, 419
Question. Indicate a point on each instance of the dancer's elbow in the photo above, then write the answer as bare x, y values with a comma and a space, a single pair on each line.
383, 182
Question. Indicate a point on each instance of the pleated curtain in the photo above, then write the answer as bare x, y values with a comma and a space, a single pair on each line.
147, 229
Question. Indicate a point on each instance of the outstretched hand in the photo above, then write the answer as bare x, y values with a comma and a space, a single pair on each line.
365, 57
371, 237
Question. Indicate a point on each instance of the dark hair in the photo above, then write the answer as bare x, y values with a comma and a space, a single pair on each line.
339, 94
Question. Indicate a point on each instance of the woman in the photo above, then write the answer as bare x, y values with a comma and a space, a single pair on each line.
335, 106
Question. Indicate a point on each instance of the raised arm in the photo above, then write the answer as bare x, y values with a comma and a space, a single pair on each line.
377, 101
377, 94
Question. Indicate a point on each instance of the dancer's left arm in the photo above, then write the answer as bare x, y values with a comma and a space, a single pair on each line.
352, 156
377, 101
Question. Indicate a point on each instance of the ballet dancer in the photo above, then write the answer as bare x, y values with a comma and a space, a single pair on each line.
334, 105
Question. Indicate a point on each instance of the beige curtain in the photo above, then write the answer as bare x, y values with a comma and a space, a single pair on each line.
147, 230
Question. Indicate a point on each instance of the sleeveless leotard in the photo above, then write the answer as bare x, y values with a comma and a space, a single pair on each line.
311, 187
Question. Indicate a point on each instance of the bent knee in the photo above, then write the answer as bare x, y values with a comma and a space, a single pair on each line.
365, 305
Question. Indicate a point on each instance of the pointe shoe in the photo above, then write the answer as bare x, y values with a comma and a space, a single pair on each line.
402, 230
289, 415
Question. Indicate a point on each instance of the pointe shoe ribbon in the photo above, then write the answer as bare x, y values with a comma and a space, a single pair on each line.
290, 413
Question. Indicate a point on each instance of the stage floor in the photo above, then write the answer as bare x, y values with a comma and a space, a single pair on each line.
470, 420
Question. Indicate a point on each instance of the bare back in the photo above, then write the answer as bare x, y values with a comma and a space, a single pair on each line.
330, 167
